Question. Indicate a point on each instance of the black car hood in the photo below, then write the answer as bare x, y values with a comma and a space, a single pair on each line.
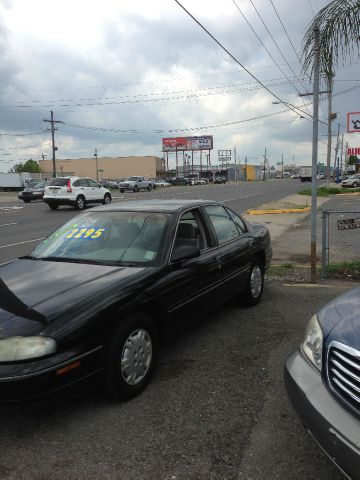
340, 319
35, 292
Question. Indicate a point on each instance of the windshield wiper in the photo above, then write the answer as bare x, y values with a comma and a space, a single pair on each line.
76, 260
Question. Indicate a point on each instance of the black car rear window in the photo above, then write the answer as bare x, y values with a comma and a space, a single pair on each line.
59, 182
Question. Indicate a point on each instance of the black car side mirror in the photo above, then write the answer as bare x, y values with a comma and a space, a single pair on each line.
185, 252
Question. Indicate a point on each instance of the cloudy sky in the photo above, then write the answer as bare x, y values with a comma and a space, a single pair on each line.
123, 74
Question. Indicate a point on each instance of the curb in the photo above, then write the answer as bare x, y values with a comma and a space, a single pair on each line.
280, 210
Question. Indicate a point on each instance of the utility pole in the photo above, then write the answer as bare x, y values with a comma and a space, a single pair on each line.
52, 121
282, 165
330, 118
264, 165
96, 163
336, 169
245, 176
315, 155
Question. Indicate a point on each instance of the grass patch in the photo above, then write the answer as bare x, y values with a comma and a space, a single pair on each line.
345, 268
326, 191
278, 269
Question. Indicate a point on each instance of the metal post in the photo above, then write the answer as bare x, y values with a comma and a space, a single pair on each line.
96, 164
324, 245
314, 156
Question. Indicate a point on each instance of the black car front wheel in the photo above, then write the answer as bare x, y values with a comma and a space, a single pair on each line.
131, 357
255, 284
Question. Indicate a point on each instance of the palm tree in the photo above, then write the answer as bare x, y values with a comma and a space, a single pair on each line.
339, 25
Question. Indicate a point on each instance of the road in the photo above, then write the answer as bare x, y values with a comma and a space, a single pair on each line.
22, 225
216, 407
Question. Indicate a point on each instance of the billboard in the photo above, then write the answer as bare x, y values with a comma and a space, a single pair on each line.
174, 144
353, 122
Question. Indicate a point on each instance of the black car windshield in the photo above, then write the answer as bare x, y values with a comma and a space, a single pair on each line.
109, 238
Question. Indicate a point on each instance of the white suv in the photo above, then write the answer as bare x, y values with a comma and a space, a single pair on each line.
75, 191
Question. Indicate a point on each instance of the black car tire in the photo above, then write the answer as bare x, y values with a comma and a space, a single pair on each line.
136, 189
122, 190
255, 284
136, 339
53, 206
107, 199
149, 188
80, 203
26, 200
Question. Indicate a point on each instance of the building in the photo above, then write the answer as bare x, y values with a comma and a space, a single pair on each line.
105, 167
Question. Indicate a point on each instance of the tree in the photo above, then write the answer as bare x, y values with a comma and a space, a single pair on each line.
338, 23
353, 160
30, 166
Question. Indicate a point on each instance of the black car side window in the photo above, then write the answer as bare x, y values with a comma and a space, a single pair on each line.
224, 226
189, 231
238, 222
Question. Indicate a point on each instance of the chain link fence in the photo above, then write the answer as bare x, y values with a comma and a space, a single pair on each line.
340, 237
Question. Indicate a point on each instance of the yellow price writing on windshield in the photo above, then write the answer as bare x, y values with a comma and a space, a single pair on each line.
86, 233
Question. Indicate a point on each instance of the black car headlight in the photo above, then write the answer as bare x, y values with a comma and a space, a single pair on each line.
313, 342
13, 349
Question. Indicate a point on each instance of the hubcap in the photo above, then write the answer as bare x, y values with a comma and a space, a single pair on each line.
80, 203
256, 281
136, 357
107, 199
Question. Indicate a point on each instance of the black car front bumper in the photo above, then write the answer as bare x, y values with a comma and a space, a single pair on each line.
68, 371
335, 429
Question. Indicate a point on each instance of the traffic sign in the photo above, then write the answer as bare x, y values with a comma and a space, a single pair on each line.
353, 122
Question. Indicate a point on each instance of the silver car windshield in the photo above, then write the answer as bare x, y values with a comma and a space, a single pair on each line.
115, 238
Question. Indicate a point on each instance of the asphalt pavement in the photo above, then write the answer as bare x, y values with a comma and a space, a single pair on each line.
215, 409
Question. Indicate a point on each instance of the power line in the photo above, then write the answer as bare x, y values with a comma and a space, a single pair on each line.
143, 100
241, 65
117, 85
20, 134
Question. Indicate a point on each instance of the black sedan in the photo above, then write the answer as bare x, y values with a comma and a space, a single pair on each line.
91, 302
323, 381
33, 193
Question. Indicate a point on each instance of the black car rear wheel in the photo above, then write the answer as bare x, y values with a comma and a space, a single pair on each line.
26, 200
131, 357
80, 203
255, 284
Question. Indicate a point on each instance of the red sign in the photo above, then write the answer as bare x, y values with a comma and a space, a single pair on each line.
173, 144
353, 151
353, 122
187, 143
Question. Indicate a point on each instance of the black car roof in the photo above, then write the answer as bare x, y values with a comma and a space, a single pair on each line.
164, 206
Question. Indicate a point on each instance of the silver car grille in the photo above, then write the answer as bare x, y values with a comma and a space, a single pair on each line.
343, 373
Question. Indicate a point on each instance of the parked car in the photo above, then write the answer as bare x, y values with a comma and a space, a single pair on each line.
323, 381
109, 183
135, 184
33, 193
320, 176
220, 180
161, 183
75, 191
182, 181
295, 175
89, 304
353, 181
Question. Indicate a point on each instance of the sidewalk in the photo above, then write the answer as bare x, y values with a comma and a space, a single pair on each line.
291, 232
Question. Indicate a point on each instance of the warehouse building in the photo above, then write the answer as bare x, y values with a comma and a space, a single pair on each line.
105, 167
